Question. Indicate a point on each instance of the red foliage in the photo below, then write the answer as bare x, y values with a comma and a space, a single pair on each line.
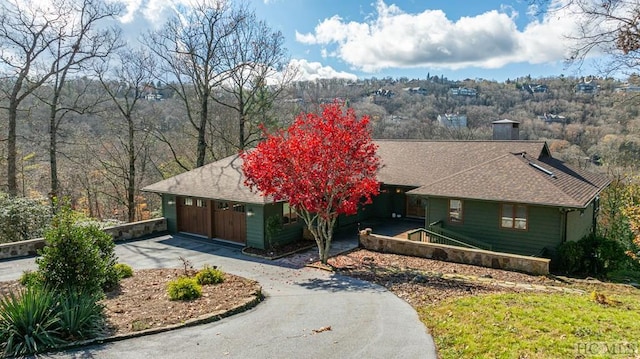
325, 164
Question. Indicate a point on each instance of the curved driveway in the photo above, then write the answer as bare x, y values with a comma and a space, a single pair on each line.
366, 320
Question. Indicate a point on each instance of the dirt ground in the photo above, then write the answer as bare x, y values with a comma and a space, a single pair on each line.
422, 281
141, 302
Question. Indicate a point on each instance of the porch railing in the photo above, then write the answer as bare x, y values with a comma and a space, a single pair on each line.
443, 236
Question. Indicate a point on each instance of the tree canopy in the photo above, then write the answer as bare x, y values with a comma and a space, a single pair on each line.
324, 165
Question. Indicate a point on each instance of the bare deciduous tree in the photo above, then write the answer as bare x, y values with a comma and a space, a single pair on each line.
26, 35
258, 72
126, 84
80, 42
41, 43
189, 49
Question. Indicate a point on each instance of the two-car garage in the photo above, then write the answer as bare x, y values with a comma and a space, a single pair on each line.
212, 218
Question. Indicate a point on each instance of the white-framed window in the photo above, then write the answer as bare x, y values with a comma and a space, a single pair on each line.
455, 211
188, 201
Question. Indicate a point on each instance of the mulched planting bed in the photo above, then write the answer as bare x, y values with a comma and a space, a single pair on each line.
141, 302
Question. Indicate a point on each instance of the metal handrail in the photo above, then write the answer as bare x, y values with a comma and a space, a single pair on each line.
425, 235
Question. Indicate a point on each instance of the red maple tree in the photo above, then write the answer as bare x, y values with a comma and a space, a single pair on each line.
323, 165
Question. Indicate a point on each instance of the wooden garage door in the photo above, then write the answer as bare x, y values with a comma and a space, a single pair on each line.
193, 215
229, 221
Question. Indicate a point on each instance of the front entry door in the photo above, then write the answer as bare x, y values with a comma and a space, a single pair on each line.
415, 206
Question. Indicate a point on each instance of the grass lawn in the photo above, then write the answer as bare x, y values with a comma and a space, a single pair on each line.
538, 325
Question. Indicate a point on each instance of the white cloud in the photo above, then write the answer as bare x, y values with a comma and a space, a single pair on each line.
154, 11
311, 71
394, 38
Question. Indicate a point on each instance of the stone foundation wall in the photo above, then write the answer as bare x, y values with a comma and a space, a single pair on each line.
119, 233
378, 243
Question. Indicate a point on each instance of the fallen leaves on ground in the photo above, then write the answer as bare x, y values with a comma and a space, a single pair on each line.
422, 281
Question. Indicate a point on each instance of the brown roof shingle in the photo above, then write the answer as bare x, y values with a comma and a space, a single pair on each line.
488, 170
485, 170
417, 163
222, 179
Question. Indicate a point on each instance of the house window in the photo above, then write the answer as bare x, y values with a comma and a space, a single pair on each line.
289, 215
201, 203
238, 207
455, 211
514, 216
188, 201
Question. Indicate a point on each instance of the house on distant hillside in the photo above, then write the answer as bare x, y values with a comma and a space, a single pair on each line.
415, 90
511, 195
463, 91
588, 87
552, 118
452, 120
535, 88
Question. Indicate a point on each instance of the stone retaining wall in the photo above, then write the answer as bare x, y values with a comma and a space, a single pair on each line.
119, 233
378, 243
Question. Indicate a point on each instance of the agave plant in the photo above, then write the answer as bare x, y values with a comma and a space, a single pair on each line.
29, 322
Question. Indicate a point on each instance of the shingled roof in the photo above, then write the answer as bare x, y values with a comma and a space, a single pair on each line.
222, 179
512, 171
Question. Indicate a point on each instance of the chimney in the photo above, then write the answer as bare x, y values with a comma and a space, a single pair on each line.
506, 130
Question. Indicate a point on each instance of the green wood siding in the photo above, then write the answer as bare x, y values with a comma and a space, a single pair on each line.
169, 212
481, 221
579, 223
289, 233
255, 226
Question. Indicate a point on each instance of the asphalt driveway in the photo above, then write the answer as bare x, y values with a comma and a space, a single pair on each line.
366, 320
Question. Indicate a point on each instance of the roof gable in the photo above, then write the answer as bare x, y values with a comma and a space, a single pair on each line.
417, 163
511, 171
222, 179
514, 178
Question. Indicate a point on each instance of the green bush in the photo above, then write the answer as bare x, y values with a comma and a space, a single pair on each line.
123, 270
209, 275
602, 254
184, 288
23, 218
81, 316
79, 257
571, 256
31, 278
593, 255
29, 322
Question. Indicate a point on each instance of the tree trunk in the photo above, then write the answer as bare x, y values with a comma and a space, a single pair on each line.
131, 185
241, 119
53, 149
241, 143
12, 153
202, 131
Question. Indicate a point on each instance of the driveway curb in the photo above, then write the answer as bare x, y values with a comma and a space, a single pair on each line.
204, 319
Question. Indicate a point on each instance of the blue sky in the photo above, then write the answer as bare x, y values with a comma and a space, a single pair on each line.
459, 39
